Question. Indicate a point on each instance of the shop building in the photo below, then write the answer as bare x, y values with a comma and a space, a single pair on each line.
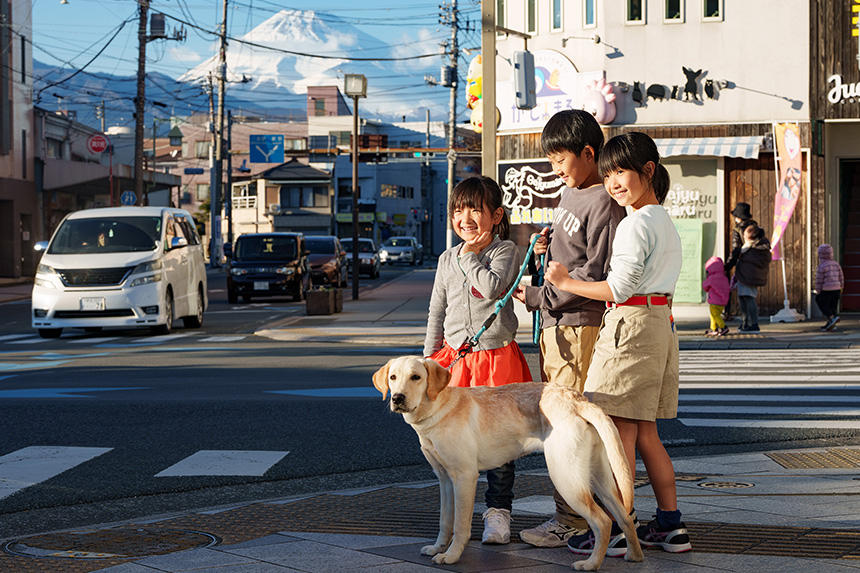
706, 79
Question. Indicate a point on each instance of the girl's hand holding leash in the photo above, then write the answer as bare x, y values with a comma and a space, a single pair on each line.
542, 243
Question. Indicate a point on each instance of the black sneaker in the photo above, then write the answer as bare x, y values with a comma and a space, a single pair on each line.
674, 540
584, 544
831, 324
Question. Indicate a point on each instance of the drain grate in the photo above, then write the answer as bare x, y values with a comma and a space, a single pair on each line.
833, 458
726, 484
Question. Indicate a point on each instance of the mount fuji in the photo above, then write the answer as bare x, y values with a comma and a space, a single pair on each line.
275, 76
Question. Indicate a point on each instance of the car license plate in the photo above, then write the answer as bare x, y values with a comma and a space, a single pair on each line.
92, 303
261, 285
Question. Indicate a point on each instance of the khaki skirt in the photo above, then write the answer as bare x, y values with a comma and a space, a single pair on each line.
634, 369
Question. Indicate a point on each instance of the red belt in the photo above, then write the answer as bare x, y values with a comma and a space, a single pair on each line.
656, 300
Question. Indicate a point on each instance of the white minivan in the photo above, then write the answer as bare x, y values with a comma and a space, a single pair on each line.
122, 267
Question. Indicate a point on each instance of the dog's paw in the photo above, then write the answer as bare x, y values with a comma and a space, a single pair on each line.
431, 550
446, 558
634, 554
586, 565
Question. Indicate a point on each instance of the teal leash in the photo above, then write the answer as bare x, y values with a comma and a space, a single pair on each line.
536, 325
467, 346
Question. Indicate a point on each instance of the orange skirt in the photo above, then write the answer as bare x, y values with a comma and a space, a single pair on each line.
485, 367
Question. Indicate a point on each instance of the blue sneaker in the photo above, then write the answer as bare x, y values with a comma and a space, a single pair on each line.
671, 539
584, 544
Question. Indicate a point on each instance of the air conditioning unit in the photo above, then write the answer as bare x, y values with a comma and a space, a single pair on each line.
274, 209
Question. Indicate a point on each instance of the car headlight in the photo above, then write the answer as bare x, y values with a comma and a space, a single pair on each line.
44, 283
238, 272
153, 267
45, 269
383, 253
285, 271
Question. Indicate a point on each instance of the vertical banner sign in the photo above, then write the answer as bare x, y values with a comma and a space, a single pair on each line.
786, 136
530, 193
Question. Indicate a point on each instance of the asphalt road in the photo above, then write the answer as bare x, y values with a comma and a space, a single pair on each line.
132, 407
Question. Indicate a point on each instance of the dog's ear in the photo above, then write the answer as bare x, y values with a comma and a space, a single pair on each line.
437, 378
380, 379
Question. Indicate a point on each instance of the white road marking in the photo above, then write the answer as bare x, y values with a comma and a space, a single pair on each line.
27, 340
768, 398
224, 338
14, 336
31, 465
92, 340
744, 423
224, 463
810, 410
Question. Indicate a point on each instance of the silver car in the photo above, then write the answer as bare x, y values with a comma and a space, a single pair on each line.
401, 249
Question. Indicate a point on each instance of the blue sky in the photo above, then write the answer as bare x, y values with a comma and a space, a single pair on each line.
75, 32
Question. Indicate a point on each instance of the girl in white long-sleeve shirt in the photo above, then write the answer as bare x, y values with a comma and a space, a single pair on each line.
634, 370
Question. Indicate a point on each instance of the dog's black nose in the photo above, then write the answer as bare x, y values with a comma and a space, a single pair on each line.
398, 399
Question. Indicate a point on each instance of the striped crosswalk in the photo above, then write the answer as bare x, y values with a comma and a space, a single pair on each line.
32, 465
31, 339
780, 388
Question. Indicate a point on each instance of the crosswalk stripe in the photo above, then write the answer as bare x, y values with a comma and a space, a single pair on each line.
755, 423
13, 336
224, 463
26, 340
223, 338
34, 464
756, 386
767, 398
809, 410
92, 340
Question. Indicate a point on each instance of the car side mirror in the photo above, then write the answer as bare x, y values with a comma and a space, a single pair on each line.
177, 242
40, 246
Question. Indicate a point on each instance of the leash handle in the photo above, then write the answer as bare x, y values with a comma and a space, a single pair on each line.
536, 324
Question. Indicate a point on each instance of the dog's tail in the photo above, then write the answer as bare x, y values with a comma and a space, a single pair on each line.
608, 433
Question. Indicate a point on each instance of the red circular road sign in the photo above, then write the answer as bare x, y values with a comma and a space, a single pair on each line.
97, 143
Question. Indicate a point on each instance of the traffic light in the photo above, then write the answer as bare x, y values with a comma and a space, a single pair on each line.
524, 79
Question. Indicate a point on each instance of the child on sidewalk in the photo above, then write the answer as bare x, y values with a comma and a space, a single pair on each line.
829, 283
634, 370
583, 225
470, 278
717, 286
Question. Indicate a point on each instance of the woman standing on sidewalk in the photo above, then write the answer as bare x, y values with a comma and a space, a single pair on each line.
470, 278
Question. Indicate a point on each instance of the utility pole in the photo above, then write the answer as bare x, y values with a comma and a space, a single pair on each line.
449, 16
228, 194
215, 190
139, 101
100, 114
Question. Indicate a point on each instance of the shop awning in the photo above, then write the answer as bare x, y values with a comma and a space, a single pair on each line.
746, 146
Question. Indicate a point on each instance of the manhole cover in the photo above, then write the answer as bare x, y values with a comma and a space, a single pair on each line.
109, 543
726, 484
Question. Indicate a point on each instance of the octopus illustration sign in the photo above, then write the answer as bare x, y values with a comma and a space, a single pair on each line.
558, 86
530, 193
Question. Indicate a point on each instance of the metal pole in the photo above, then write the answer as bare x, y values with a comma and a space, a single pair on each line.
488, 71
143, 7
215, 252
154, 124
228, 194
355, 198
452, 122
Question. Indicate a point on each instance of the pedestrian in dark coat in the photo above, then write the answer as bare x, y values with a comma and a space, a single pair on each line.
751, 273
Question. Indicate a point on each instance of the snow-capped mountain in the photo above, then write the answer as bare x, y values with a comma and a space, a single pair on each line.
264, 75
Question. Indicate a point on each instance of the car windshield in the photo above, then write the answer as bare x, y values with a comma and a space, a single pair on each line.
398, 243
363, 246
320, 245
265, 248
101, 235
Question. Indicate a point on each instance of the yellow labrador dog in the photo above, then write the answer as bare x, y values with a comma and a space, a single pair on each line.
465, 430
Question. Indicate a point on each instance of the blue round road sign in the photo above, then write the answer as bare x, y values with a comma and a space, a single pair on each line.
128, 198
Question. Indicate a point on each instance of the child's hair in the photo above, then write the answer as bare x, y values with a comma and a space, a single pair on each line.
632, 151
571, 130
756, 232
479, 192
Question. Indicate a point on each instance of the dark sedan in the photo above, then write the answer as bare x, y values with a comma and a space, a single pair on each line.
268, 264
327, 260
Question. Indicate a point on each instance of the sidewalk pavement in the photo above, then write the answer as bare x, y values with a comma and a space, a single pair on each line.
768, 511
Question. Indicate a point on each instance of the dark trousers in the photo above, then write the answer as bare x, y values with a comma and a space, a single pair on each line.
500, 487
749, 311
828, 302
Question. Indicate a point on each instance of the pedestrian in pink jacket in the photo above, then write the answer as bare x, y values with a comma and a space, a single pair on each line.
829, 282
717, 286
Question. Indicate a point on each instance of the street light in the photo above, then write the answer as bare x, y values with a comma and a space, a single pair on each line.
355, 86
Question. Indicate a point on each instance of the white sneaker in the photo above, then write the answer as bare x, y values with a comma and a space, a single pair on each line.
550, 533
497, 526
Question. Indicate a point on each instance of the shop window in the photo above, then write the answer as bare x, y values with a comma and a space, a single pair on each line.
319, 106
53, 148
589, 16
673, 11
201, 149
387, 190
712, 10
635, 11
531, 16
556, 16
202, 191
